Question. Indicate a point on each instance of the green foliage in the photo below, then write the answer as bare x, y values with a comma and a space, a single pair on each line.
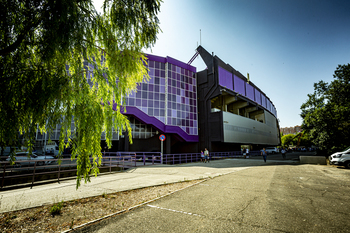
38, 39
288, 140
305, 140
56, 208
326, 113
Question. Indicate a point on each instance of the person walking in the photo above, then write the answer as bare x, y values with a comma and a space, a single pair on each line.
202, 156
264, 154
206, 155
283, 151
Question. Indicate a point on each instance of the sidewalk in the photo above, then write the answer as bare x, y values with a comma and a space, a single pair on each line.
131, 179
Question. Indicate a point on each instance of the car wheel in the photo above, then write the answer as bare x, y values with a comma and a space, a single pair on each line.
40, 163
347, 164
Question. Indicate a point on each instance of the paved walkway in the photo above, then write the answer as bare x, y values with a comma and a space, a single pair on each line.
271, 197
139, 177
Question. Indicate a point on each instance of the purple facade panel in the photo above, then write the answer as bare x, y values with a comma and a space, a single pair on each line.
181, 64
249, 91
263, 101
225, 78
180, 90
158, 124
257, 96
268, 105
239, 85
153, 58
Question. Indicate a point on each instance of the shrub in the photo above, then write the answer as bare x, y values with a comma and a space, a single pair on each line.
56, 208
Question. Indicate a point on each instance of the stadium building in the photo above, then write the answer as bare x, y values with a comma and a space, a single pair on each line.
217, 108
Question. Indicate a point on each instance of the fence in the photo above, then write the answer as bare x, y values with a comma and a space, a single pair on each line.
27, 172
195, 157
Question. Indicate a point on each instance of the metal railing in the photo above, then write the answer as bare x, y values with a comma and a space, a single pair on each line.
195, 157
31, 171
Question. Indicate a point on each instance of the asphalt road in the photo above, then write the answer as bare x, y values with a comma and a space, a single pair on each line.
271, 197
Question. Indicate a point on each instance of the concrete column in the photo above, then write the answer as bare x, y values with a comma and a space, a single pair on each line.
168, 144
126, 143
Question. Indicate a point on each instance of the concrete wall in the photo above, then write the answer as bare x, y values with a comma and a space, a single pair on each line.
321, 160
239, 129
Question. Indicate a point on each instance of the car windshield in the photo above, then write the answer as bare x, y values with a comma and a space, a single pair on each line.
347, 149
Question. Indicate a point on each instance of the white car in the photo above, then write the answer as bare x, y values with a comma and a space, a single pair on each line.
23, 156
341, 158
271, 150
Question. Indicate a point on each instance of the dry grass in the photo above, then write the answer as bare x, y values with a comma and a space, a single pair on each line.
77, 212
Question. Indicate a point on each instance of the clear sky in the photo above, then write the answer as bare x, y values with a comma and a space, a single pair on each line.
285, 45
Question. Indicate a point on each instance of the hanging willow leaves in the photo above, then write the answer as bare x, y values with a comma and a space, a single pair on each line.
62, 62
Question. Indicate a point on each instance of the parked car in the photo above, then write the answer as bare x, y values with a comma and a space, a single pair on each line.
341, 158
7, 150
271, 150
51, 148
29, 161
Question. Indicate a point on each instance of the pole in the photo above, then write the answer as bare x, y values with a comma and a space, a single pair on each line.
161, 152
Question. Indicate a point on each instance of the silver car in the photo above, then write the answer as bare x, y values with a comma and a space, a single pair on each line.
32, 159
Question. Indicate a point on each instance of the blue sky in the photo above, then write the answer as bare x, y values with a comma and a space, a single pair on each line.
285, 45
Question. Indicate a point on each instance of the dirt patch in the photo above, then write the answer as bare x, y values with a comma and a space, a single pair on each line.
77, 212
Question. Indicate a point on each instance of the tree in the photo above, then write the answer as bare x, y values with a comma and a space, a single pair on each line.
62, 60
287, 140
326, 113
305, 140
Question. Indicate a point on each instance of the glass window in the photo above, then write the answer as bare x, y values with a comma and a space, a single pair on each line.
156, 96
156, 104
156, 112
131, 102
162, 105
151, 64
144, 95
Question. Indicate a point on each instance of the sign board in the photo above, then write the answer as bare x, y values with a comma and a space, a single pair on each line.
162, 137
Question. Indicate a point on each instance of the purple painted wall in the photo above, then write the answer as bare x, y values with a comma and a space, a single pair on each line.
146, 119
171, 60
263, 101
268, 105
249, 91
257, 96
225, 78
238, 85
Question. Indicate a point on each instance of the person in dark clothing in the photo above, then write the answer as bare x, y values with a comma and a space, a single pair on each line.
264, 154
